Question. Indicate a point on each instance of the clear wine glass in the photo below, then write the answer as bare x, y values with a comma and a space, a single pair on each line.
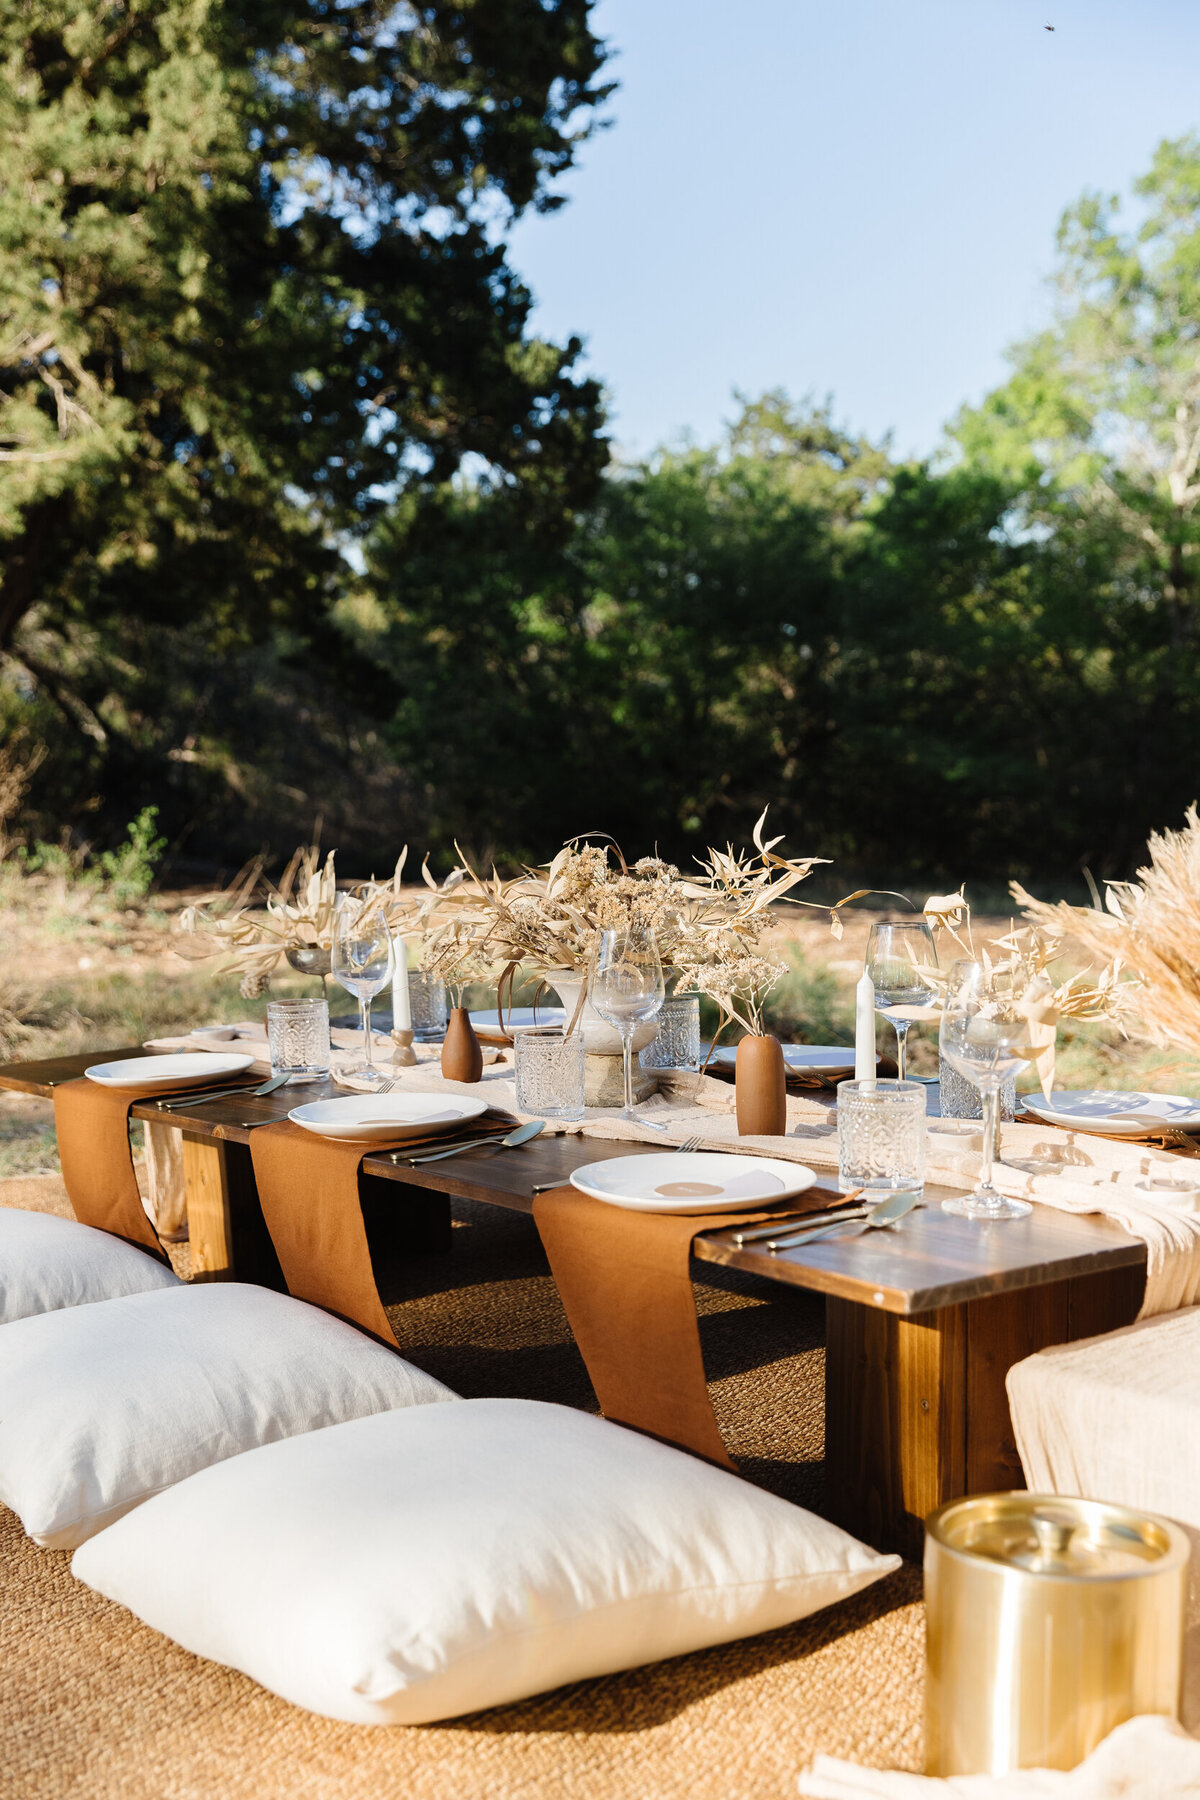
362, 964
626, 987
898, 954
985, 1036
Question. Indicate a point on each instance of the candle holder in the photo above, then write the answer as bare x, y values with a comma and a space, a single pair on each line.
403, 1056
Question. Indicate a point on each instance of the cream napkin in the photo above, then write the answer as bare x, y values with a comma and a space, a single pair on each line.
1150, 1758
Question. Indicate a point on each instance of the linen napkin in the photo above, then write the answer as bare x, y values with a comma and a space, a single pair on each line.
92, 1126
625, 1283
309, 1194
1149, 1758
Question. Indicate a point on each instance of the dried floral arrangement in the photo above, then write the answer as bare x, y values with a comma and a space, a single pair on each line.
1148, 933
709, 925
1023, 959
255, 922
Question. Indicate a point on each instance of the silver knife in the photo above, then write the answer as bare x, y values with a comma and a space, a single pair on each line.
888, 1212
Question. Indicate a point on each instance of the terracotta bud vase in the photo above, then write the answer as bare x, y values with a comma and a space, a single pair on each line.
761, 1088
462, 1059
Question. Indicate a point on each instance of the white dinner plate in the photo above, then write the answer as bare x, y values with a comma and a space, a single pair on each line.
696, 1182
520, 1016
184, 1069
368, 1116
1117, 1113
820, 1059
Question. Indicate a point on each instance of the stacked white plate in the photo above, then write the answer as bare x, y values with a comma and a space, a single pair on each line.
1115, 1113
813, 1059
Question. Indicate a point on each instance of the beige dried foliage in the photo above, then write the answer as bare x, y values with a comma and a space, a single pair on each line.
709, 925
1147, 935
254, 922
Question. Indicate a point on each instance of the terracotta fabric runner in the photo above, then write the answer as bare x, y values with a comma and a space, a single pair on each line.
625, 1281
92, 1125
308, 1191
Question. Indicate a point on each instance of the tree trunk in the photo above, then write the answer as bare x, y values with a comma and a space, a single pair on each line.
23, 563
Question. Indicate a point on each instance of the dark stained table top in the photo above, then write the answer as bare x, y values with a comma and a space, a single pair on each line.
932, 1259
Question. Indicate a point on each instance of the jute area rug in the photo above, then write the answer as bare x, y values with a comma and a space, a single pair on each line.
94, 1706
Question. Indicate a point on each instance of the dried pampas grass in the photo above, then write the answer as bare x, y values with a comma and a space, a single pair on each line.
1149, 929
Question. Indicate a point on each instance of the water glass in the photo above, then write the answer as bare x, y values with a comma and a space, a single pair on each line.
959, 1098
677, 1043
427, 1001
881, 1137
298, 1034
549, 1069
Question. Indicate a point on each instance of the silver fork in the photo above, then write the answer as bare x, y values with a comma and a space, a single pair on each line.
689, 1143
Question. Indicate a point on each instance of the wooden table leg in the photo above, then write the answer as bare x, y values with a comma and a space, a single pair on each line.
226, 1230
915, 1407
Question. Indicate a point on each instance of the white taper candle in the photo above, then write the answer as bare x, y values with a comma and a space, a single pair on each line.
401, 1010
864, 1029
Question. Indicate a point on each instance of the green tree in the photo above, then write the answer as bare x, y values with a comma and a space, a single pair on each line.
252, 284
1097, 433
658, 674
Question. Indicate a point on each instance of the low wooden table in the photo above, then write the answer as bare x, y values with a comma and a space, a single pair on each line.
923, 1323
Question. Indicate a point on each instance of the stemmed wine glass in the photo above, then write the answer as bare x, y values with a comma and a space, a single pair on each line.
362, 964
626, 987
985, 1036
898, 954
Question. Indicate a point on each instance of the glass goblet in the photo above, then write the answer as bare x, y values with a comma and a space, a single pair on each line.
626, 987
362, 964
985, 1036
899, 954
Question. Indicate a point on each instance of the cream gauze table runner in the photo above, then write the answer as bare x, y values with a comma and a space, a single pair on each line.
1071, 1170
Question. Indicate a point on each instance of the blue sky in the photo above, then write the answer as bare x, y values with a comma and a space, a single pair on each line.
856, 198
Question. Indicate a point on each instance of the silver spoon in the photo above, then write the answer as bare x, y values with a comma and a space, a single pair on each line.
521, 1135
888, 1212
228, 1093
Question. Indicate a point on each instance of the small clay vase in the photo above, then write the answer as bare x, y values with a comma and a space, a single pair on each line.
761, 1088
462, 1059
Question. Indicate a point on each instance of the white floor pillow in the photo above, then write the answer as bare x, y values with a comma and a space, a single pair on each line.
419, 1565
47, 1263
102, 1406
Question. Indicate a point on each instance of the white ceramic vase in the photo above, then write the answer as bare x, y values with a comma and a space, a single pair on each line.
599, 1037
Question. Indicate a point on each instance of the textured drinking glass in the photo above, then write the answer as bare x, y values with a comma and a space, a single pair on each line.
298, 1034
881, 1136
959, 1098
427, 999
677, 1043
549, 1068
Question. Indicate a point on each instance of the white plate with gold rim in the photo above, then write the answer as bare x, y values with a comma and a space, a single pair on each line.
698, 1181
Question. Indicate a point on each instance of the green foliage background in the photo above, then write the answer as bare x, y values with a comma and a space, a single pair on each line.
299, 519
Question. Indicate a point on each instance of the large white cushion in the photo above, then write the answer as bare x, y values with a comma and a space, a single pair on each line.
47, 1263
102, 1406
423, 1564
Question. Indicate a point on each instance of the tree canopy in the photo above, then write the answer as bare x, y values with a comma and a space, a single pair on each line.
253, 284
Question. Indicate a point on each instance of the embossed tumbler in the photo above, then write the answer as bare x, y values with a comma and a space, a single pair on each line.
881, 1136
